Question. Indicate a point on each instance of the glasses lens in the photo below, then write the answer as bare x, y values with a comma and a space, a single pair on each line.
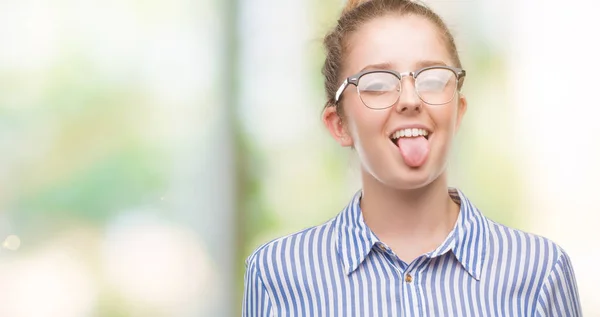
436, 86
379, 90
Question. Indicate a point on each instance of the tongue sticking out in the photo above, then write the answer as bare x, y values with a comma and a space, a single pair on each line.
414, 150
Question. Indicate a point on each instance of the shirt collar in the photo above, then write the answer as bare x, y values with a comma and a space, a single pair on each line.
468, 240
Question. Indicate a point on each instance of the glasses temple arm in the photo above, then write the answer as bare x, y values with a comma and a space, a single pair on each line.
340, 90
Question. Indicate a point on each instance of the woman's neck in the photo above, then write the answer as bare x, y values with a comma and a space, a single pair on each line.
411, 222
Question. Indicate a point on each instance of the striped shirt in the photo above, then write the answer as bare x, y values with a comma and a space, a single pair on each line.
340, 268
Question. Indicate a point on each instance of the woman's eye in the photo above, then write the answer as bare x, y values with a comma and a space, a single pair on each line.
377, 87
432, 84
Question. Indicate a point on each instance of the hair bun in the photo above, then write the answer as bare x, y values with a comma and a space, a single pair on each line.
352, 4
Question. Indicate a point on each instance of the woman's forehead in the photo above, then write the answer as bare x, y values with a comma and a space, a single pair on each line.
403, 42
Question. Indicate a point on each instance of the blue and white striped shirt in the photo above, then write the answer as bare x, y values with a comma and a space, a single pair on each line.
340, 268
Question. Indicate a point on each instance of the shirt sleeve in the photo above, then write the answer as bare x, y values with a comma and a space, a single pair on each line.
559, 295
256, 301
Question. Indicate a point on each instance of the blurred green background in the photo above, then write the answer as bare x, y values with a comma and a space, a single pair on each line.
149, 146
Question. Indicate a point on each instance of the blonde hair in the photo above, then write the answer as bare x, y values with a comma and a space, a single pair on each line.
351, 4
358, 12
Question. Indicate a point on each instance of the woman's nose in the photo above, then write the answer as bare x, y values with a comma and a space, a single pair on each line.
409, 100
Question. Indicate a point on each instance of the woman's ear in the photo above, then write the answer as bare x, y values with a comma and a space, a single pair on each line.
336, 126
462, 108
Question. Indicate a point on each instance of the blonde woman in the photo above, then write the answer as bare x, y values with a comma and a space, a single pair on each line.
406, 244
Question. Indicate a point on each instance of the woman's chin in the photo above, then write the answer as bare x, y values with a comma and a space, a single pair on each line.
410, 184
392, 171
409, 178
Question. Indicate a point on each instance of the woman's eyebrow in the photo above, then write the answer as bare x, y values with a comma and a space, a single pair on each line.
427, 63
384, 65
389, 65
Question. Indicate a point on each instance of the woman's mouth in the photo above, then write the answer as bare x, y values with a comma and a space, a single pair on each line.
413, 144
408, 133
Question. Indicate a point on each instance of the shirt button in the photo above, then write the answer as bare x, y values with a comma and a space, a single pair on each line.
408, 278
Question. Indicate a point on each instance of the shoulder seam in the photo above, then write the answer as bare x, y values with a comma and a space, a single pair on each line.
254, 266
554, 265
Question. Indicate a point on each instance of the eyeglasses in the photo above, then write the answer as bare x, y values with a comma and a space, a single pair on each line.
381, 89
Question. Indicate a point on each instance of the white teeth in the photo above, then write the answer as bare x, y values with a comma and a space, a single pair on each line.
409, 133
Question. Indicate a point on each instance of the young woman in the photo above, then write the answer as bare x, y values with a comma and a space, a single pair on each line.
406, 244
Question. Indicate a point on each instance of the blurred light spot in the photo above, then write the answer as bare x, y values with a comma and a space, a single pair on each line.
50, 282
12, 243
157, 265
29, 35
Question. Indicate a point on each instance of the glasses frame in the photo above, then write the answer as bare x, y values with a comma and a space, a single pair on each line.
354, 79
